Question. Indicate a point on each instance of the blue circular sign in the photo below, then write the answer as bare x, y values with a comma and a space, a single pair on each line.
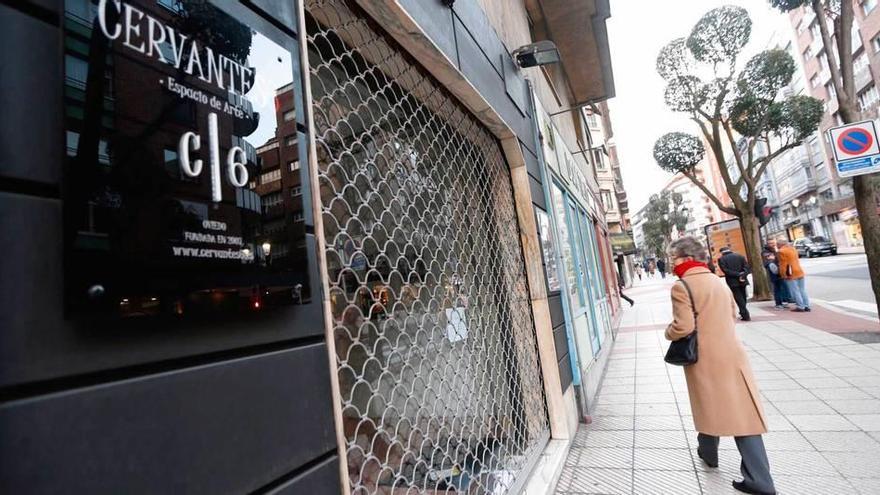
854, 141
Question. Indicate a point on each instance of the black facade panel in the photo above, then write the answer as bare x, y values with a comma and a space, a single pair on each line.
532, 164
537, 193
565, 373
322, 479
230, 427
436, 21
30, 98
557, 316
515, 84
471, 15
53, 6
560, 340
38, 342
280, 10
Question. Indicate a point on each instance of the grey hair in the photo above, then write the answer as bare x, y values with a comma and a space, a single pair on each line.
688, 246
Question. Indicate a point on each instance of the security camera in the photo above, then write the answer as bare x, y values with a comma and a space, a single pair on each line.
535, 54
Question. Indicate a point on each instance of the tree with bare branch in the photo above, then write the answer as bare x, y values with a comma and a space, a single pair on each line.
833, 17
734, 109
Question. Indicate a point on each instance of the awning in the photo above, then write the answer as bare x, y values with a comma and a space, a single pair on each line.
577, 27
622, 243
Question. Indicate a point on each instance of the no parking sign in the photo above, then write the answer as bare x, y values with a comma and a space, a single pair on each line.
856, 148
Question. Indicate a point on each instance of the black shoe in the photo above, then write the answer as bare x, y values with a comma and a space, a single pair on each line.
807, 309
745, 318
798, 310
742, 487
710, 464
632, 303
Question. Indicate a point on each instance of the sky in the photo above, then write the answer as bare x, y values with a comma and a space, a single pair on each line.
637, 30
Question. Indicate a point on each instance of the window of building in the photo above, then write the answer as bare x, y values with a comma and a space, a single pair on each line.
876, 44
815, 31
823, 60
808, 53
76, 71
272, 199
548, 245
599, 158
592, 121
868, 98
298, 216
172, 5
814, 81
860, 63
607, 200
868, 6
270, 176
832, 93
296, 191
289, 115
290, 140
294, 165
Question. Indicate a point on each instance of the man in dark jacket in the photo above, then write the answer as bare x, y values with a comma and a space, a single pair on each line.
736, 268
661, 267
771, 264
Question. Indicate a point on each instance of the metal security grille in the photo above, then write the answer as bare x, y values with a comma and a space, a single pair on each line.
436, 353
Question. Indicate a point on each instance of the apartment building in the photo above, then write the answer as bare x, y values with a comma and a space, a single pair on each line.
813, 198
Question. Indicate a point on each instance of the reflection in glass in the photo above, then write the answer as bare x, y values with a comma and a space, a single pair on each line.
165, 138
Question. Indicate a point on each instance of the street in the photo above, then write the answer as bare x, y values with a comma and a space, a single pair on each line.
841, 281
820, 388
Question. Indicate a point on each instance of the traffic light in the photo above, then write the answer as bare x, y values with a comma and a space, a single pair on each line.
762, 211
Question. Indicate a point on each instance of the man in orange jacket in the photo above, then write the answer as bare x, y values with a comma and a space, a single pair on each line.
791, 272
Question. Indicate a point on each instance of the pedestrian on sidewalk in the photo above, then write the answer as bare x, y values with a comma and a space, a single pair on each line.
620, 287
736, 270
639, 272
723, 392
790, 270
771, 264
661, 267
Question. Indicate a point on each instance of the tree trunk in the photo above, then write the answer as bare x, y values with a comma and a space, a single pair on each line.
866, 204
752, 241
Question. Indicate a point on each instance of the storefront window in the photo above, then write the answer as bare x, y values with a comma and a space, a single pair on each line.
163, 182
548, 246
565, 246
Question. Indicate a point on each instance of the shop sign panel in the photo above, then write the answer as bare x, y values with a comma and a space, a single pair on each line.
182, 185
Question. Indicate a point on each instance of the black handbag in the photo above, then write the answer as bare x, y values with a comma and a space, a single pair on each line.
683, 352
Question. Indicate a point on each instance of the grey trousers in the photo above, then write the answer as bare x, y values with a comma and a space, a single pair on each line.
755, 466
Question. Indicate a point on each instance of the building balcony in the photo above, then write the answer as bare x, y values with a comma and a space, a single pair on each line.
862, 78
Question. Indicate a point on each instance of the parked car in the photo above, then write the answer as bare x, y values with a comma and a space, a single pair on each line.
815, 246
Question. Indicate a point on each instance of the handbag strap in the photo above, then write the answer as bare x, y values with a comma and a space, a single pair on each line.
693, 301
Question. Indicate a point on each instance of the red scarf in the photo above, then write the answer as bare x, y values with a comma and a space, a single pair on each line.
681, 269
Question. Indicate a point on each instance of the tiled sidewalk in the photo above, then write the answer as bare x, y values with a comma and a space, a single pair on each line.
821, 394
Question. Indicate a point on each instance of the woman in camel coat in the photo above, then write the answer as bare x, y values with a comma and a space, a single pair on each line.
723, 393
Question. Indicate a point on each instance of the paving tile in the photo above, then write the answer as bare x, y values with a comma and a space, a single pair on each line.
821, 422
714, 482
856, 371
604, 457
618, 389
786, 440
800, 406
868, 406
611, 423
846, 393
613, 410
616, 399
812, 485
855, 464
823, 382
770, 375
662, 482
783, 384
599, 480
663, 459
605, 438
655, 398
565, 477
777, 422
867, 422
783, 395
843, 441
656, 409
865, 486
660, 439
863, 381
658, 423
809, 373
807, 463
